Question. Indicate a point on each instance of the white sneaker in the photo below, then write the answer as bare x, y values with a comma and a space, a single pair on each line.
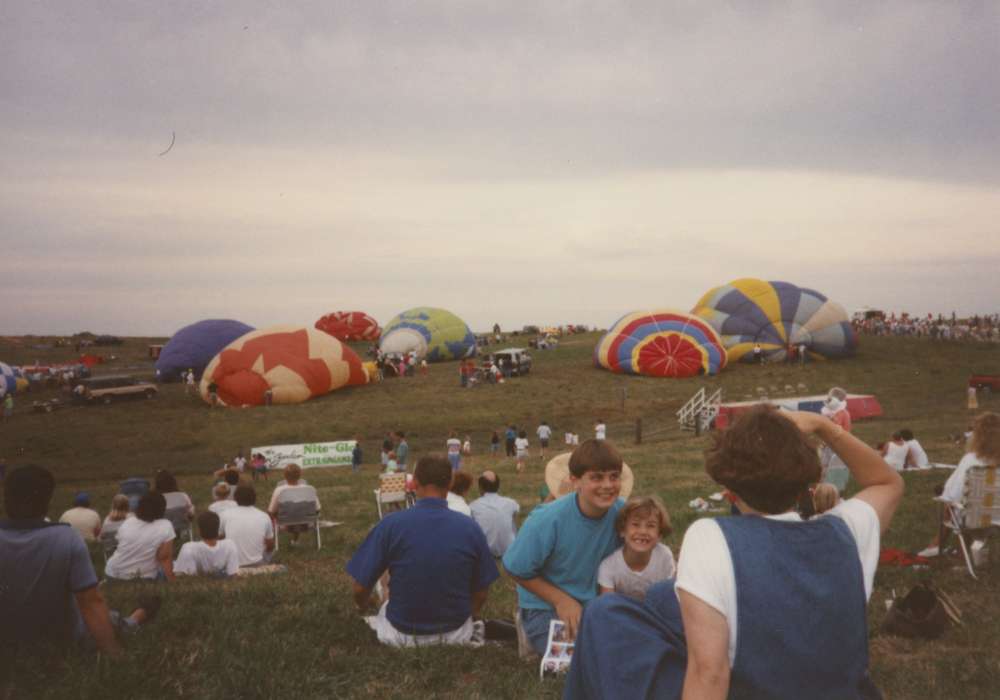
929, 552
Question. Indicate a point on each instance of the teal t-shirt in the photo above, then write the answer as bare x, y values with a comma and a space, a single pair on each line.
564, 546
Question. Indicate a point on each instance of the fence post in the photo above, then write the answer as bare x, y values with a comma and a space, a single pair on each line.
638, 431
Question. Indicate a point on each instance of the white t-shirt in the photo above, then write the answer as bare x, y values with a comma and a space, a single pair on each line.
895, 455
458, 504
198, 559
521, 445
705, 567
917, 454
454, 446
219, 507
544, 432
240, 463
247, 527
138, 541
600, 431
616, 574
954, 488
83, 520
179, 499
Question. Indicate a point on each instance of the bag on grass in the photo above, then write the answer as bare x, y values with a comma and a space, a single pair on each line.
923, 613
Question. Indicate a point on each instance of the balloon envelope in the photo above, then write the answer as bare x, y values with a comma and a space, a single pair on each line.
777, 315
8, 382
434, 334
349, 325
293, 362
194, 346
661, 343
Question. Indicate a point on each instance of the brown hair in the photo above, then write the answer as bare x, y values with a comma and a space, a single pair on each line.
825, 497
763, 459
644, 507
119, 508
221, 492
594, 456
433, 470
460, 483
293, 473
985, 442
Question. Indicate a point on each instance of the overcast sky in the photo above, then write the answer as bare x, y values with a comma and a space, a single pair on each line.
543, 162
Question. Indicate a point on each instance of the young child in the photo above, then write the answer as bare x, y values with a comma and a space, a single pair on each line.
391, 466
555, 556
642, 560
357, 455
210, 557
521, 446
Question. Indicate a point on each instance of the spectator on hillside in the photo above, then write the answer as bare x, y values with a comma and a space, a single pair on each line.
387, 446
454, 446
509, 437
230, 478
402, 450
223, 495
917, 457
293, 483
439, 563
166, 484
210, 557
495, 513
48, 587
495, 444
544, 433
896, 452
984, 450
240, 462
249, 528
521, 450
145, 543
643, 559
357, 455
119, 511
82, 518
600, 430
258, 463
790, 578
461, 482
8, 406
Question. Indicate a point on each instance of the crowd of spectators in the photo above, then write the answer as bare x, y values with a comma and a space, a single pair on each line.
984, 328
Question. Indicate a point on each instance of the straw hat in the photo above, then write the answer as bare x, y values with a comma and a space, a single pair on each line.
557, 477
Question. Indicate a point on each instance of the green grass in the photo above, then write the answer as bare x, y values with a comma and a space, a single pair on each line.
297, 635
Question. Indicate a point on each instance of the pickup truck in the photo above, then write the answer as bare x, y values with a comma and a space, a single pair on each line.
987, 383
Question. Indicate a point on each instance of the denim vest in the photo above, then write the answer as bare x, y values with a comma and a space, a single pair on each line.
801, 621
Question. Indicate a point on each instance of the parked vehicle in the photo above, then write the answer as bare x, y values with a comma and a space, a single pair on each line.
987, 383
111, 388
517, 359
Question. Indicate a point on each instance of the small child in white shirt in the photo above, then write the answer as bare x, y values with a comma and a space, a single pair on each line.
643, 560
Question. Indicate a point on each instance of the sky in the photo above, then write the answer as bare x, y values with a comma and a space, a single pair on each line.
544, 162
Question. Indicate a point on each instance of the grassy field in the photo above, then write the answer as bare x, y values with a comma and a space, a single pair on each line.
297, 635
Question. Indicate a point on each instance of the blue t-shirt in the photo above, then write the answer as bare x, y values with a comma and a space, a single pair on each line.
436, 558
402, 451
564, 546
41, 566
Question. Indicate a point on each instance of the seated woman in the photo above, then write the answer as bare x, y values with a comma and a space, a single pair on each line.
166, 484
896, 452
984, 451
145, 543
764, 605
119, 511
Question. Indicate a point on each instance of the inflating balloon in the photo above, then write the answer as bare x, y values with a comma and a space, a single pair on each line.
292, 363
349, 325
662, 343
194, 346
778, 316
8, 382
434, 334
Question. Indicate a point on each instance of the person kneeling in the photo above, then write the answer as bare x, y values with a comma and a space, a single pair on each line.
210, 557
439, 562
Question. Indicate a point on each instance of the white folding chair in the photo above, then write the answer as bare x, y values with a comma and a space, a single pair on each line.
297, 505
391, 490
979, 512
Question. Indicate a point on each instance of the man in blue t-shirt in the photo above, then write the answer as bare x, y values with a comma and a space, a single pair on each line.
48, 587
557, 552
439, 564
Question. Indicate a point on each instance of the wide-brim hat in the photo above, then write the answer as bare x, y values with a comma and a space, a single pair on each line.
557, 477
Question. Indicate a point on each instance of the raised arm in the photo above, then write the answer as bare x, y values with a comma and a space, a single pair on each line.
881, 486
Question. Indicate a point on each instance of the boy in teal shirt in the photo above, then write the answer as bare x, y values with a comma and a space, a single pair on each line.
557, 552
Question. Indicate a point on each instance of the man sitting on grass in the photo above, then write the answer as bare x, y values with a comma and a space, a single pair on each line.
48, 587
210, 557
555, 557
249, 528
440, 567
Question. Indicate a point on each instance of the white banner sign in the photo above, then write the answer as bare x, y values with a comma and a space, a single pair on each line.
309, 455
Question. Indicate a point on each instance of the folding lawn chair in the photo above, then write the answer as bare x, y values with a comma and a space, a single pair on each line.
979, 512
178, 517
297, 505
391, 490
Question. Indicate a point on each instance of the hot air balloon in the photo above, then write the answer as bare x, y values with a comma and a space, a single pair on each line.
434, 334
349, 325
778, 316
193, 347
662, 343
8, 382
294, 363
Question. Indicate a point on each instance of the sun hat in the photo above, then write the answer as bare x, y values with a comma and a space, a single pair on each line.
557, 477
